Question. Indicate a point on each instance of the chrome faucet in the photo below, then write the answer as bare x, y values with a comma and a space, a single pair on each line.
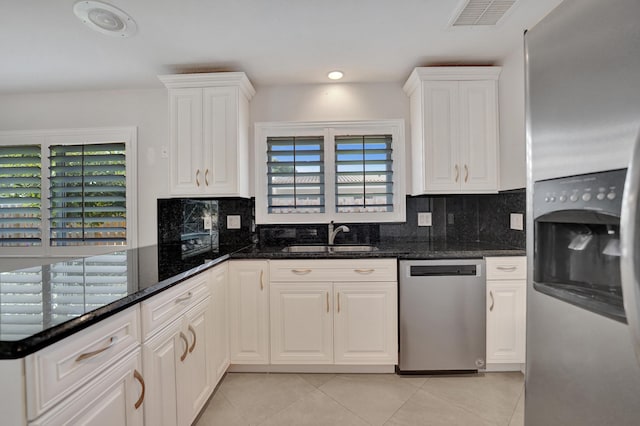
334, 232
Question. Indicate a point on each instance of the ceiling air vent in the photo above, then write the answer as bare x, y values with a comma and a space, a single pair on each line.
481, 12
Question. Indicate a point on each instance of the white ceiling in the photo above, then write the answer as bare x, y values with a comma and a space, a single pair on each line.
44, 47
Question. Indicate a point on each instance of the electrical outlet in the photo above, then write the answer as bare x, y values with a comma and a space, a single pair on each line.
450, 220
516, 221
424, 219
207, 223
164, 152
233, 222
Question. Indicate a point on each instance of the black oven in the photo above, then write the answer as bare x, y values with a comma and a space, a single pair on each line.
577, 241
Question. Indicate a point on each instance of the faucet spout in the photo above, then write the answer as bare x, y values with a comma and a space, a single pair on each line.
333, 232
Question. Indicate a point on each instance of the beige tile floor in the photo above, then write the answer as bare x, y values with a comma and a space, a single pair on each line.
366, 399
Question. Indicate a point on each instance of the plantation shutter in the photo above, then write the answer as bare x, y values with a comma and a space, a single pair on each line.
21, 303
82, 285
295, 174
88, 194
364, 174
20, 196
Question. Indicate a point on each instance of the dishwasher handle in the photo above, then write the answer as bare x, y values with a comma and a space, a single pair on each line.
443, 270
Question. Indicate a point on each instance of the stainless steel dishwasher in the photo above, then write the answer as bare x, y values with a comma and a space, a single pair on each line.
442, 316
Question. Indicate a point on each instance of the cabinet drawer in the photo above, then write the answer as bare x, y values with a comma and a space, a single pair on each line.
334, 270
170, 304
57, 370
506, 268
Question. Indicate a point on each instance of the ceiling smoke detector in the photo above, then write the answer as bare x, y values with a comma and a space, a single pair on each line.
104, 18
475, 13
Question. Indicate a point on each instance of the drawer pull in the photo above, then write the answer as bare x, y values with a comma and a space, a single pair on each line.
186, 346
86, 355
184, 298
466, 173
301, 271
193, 331
507, 268
197, 180
492, 301
206, 177
261, 280
139, 378
327, 302
364, 271
338, 302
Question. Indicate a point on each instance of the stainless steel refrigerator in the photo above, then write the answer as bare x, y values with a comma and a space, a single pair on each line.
583, 178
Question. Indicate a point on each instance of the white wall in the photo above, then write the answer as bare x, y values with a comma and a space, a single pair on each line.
512, 128
148, 110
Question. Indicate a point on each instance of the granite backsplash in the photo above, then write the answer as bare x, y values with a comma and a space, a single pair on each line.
455, 218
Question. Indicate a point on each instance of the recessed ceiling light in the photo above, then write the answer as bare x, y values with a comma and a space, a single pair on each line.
335, 75
104, 18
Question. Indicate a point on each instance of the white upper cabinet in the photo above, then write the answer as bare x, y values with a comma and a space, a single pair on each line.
454, 129
209, 133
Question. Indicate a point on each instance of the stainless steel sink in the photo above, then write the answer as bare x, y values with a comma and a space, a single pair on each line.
329, 249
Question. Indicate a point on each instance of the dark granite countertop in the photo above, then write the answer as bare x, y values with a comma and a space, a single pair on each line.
398, 249
46, 303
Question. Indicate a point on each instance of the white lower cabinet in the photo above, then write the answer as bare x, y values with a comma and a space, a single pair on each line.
506, 312
366, 323
177, 355
301, 323
219, 337
249, 311
113, 398
331, 321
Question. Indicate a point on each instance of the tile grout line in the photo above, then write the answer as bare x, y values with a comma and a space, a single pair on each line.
294, 402
515, 407
340, 404
417, 388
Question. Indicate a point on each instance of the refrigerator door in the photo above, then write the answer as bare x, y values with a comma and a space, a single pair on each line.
630, 248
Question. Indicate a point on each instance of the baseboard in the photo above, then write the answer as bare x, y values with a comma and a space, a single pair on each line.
495, 368
285, 368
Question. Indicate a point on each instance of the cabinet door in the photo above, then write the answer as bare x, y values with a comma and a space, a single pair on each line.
222, 146
301, 323
249, 312
478, 136
366, 323
506, 321
185, 137
193, 374
161, 356
109, 399
440, 160
220, 329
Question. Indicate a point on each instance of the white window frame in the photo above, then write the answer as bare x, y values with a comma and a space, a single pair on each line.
330, 129
80, 136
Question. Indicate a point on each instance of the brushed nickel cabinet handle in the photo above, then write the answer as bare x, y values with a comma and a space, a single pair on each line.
364, 271
466, 173
87, 355
338, 302
184, 298
492, 301
139, 378
197, 175
507, 268
186, 346
301, 271
327, 302
195, 338
262, 280
206, 177
457, 173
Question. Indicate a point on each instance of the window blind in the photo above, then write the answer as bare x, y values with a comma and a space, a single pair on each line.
364, 174
20, 195
83, 285
21, 303
295, 174
88, 194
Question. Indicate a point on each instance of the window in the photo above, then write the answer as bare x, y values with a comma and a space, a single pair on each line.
67, 188
318, 172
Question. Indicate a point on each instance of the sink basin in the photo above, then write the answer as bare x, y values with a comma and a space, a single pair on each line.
329, 249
